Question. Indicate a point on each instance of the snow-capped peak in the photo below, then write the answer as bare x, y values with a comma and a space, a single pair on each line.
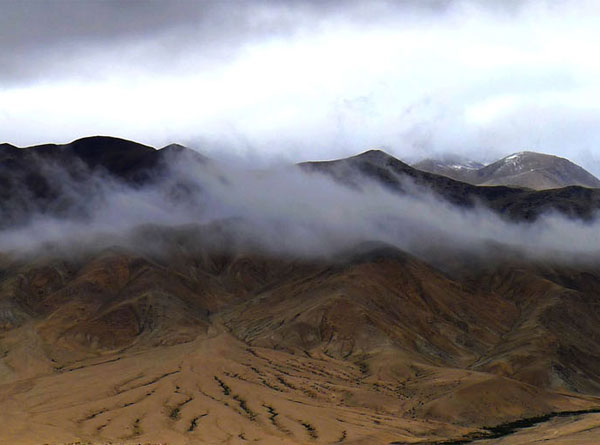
514, 156
459, 164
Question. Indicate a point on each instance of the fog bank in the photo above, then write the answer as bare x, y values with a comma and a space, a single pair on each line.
282, 211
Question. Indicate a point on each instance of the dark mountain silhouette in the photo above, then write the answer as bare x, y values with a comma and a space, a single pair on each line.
119, 157
57, 180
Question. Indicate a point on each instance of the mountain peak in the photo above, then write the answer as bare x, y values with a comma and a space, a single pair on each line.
526, 154
448, 164
374, 152
536, 171
527, 169
107, 143
376, 157
178, 149
174, 147
373, 155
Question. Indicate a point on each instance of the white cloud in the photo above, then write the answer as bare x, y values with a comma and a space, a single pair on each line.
462, 80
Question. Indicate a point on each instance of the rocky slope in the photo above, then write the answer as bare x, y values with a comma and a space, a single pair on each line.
372, 345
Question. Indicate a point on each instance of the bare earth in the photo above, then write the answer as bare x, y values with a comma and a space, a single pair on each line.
376, 348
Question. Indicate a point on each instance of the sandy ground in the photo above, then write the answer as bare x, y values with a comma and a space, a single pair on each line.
212, 390
122, 350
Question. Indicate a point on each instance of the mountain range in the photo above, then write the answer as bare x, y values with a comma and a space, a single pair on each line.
516, 204
525, 169
36, 179
188, 333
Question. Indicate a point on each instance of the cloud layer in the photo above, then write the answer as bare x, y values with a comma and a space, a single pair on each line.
299, 80
284, 211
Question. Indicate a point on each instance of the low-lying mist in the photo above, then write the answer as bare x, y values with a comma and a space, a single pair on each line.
281, 211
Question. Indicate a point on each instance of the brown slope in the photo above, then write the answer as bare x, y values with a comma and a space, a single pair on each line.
379, 299
117, 346
554, 340
398, 317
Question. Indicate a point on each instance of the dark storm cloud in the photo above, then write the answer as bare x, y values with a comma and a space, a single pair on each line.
40, 37
48, 38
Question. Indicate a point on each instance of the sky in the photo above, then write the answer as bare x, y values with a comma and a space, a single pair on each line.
296, 80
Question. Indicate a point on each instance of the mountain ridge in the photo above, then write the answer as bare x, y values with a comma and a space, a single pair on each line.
527, 169
511, 202
28, 183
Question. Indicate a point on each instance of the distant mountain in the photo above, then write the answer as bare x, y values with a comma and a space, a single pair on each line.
514, 203
536, 171
454, 167
526, 169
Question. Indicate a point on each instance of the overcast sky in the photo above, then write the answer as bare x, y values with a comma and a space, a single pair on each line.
299, 80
